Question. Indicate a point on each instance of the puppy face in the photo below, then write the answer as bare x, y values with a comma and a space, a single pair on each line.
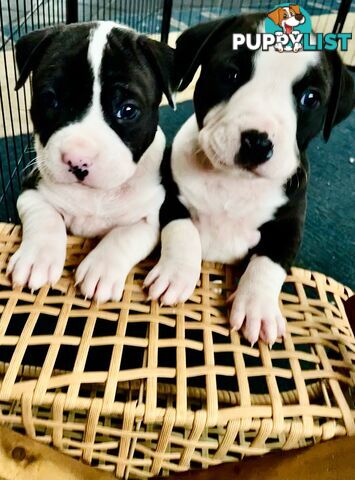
257, 111
287, 17
96, 93
253, 124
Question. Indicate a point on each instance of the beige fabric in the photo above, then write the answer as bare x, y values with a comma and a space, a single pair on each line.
149, 418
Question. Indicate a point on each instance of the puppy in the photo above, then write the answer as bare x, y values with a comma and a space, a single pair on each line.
96, 94
287, 18
239, 169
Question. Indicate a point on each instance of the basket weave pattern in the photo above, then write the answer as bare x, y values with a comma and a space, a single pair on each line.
153, 389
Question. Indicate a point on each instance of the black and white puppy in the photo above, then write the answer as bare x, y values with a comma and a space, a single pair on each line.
240, 168
96, 94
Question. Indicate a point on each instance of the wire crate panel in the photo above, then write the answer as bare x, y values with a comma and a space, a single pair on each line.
164, 19
139, 389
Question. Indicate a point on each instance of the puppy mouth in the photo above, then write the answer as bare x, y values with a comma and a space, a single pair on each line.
238, 168
253, 169
209, 159
79, 173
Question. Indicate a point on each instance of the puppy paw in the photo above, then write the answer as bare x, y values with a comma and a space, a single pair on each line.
297, 47
101, 277
172, 282
36, 264
258, 315
278, 47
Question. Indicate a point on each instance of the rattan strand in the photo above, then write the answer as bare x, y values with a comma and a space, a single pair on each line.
190, 397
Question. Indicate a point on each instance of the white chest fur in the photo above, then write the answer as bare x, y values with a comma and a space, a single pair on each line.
227, 206
94, 213
91, 212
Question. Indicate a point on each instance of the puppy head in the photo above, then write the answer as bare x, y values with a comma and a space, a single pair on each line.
96, 94
287, 17
257, 111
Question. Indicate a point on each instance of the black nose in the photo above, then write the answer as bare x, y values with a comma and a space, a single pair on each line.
298, 16
255, 148
79, 173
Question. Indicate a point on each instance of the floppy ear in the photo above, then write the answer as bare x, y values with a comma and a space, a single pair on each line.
275, 16
296, 9
192, 47
29, 51
161, 58
341, 100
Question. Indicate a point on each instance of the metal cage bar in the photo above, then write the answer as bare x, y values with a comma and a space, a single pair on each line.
165, 25
72, 11
153, 17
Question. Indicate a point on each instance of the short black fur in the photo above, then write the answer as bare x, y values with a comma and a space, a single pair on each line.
171, 209
128, 76
62, 78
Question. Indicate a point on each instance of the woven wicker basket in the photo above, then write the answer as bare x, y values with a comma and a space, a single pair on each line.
138, 389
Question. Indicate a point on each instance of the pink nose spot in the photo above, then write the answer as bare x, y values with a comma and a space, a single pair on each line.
77, 160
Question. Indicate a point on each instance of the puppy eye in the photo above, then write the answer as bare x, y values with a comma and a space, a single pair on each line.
310, 100
285, 15
128, 111
49, 99
233, 75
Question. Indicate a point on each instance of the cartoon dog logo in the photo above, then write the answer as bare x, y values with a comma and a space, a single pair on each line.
287, 18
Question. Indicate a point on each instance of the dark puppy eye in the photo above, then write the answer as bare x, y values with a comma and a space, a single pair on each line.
128, 111
49, 99
310, 99
233, 75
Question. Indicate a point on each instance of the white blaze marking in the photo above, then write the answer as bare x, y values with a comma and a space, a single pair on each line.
95, 53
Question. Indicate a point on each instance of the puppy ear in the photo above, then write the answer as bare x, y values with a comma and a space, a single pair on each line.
161, 58
29, 51
296, 9
192, 46
341, 100
275, 16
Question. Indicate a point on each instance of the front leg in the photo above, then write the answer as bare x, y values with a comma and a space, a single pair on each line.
102, 274
256, 301
279, 47
255, 306
297, 47
41, 256
175, 276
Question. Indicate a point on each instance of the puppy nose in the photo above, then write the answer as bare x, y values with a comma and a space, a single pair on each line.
78, 164
298, 16
77, 160
255, 148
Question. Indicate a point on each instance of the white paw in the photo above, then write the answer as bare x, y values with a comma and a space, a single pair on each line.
297, 47
278, 47
258, 314
36, 264
101, 277
172, 282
